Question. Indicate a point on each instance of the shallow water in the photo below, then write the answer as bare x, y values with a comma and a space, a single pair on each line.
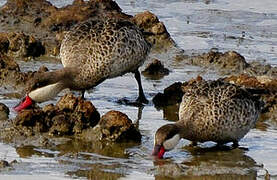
249, 27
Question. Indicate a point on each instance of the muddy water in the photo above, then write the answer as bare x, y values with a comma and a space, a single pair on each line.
197, 26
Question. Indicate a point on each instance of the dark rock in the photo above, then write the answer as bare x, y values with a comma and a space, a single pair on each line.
17, 45
172, 95
155, 70
29, 117
114, 126
257, 82
4, 43
4, 112
60, 125
228, 62
155, 30
41, 20
260, 68
70, 116
4, 164
10, 74
67, 103
8, 63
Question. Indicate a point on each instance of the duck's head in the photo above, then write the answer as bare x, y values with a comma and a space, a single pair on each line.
166, 138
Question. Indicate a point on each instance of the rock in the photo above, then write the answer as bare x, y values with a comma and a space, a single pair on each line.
4, 43
60, 125
4, 164
29, 117
23, 46
8, 63
261, 69
67, 103
114, 126
70, 116
229, 63
226, 63
4, 112
155, 70
10, 74
156, 31
257, 82
42, 21
171, 95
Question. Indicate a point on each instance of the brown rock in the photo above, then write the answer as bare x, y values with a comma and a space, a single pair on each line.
10, 74
67, 103
4, 112
155, 30
21, 45
8, 63
4, 43
260, 69
60, 126
41, 20
4, 164
171, 95
70, 116
228, 62
29, 117
257, 82
116, 126
155, 70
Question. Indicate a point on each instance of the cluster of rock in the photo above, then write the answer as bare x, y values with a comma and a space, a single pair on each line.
35, 28
38, 26
228, 63
71, 116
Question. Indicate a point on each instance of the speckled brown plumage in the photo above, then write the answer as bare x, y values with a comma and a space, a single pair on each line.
101, 49
95, 50
217, 111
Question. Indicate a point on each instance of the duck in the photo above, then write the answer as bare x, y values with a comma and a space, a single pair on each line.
91, 52
212, 110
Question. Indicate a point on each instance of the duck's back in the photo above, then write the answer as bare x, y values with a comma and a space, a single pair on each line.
218, 111
103, 48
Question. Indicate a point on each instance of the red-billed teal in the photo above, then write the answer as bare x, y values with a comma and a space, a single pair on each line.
210, 111
91, 52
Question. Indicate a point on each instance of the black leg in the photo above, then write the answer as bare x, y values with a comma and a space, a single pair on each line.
193, 143
235, 144
141, 98
83, 94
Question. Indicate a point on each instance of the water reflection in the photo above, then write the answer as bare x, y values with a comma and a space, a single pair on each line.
209, 163
115, 150
95, 172
171, 112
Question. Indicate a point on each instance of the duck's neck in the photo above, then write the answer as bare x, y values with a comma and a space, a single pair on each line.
184, 132
47, 92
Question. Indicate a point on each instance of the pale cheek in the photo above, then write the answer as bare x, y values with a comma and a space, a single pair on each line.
171, 143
